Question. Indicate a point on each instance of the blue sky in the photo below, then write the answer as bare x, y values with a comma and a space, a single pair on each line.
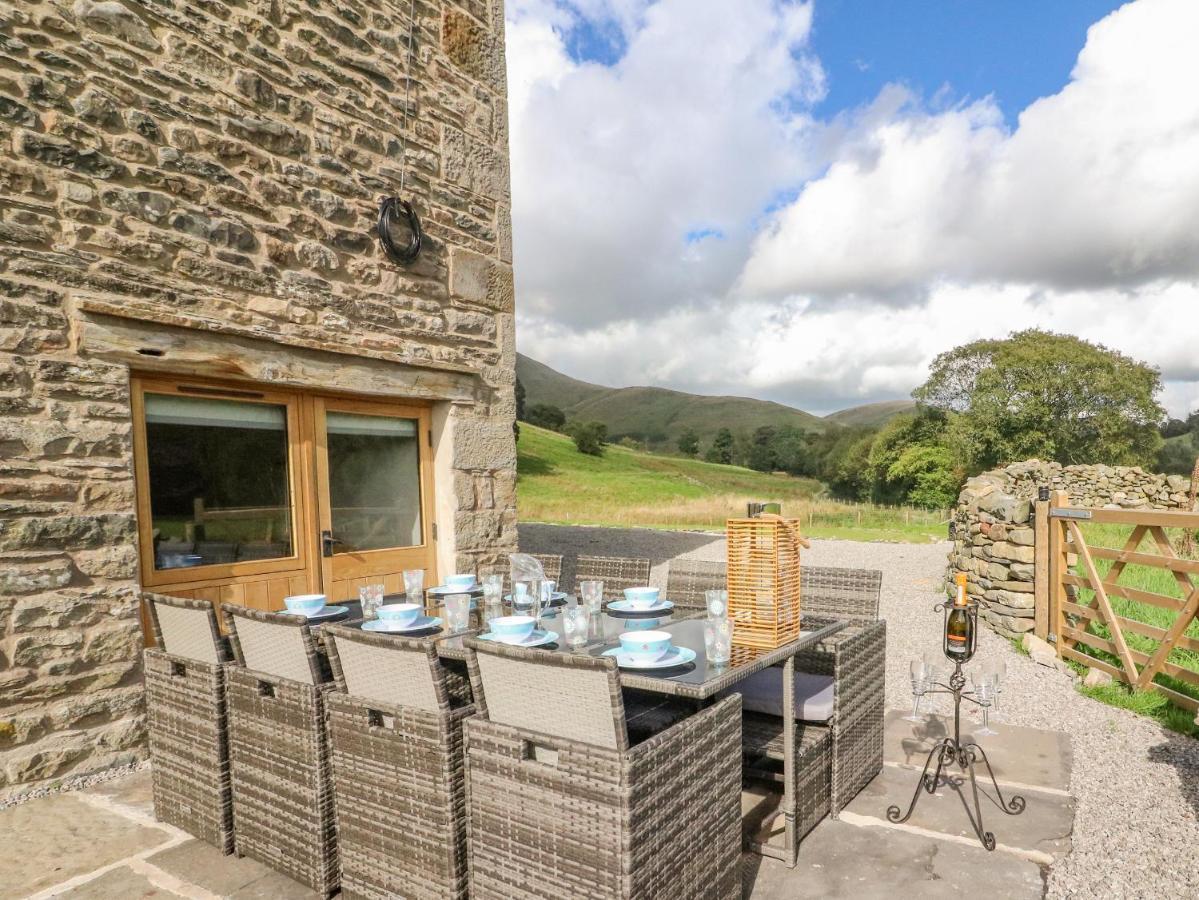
1015, 50
808, 202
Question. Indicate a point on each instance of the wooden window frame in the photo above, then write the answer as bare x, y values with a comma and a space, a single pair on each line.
297, 468
306, 459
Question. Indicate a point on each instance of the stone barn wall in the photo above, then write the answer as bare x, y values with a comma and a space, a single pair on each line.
198, 183
994, 539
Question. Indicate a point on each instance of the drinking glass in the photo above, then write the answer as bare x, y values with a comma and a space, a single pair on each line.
921, 676
718, 604
984, 692
575, 622
457, 611
718, 640
414, 585
493, 597
371, 598
547, 593
592, 593
999, 671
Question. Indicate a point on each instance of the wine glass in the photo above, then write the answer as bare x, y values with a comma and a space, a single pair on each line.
999, 670
921, 676
983, 682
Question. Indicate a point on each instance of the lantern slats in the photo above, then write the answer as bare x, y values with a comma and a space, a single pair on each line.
763, 574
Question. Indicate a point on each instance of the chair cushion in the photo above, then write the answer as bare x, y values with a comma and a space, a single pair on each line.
762, 692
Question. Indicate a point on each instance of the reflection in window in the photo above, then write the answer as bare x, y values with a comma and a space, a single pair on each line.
218, 480
374, 481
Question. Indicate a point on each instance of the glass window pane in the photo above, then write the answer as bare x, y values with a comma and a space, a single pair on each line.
374, 481
218, 480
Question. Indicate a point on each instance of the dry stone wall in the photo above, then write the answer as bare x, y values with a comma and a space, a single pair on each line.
994, 537
214, 168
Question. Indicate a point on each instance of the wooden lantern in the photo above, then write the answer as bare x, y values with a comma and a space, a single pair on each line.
763, 572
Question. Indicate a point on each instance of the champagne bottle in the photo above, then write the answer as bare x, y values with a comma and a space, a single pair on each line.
957, 629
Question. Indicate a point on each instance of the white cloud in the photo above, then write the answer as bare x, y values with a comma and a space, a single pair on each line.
914, 230
1097, 186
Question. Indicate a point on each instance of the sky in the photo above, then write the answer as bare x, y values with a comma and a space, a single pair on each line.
807, 201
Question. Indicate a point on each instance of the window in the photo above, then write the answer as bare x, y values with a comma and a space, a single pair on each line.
374, 481
218, 480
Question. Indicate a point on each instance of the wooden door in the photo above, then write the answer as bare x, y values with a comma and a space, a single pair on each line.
374, 490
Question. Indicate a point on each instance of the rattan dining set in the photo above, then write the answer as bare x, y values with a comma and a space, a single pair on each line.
449, 766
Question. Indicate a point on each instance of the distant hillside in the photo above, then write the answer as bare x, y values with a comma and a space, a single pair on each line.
872, 415
655, 415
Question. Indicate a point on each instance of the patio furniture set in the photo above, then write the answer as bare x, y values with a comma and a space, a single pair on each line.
447, 765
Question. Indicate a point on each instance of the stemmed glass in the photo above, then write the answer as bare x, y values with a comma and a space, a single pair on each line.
983, 682
999, 671
922, 676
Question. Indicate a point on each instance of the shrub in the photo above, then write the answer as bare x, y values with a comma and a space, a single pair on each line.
589, 437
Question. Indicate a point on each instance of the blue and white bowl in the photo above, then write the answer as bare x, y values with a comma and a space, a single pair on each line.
641, 597
461, 580
512, 629
399, 613
304, 604
645, 646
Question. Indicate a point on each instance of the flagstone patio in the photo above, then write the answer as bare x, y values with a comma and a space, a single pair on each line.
103, 841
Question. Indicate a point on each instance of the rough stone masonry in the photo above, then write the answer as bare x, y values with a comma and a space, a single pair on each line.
994, 539
212, 171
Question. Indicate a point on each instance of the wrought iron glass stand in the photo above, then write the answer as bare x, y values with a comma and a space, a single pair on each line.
950, 751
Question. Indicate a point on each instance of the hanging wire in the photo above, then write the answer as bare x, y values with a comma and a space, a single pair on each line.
391, 208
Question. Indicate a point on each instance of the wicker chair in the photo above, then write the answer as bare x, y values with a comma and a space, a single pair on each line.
854, 660
188, 726
688, 579
562, 804
398, 774
283, 811
616, 572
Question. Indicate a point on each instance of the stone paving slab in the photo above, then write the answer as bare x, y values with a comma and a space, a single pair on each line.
1041, 832
1025, 756
866, 863
70, 837
204, 866
122, 882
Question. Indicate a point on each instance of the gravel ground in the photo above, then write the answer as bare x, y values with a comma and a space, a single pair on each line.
1136, 832
75, 783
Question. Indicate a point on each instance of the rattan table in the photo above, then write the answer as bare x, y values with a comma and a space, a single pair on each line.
700, 681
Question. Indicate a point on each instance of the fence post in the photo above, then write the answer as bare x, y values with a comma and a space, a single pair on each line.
1058, 568
1041, 568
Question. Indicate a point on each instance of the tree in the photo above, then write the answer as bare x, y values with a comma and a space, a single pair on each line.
1051, 396
1175, 427
904, 435
689, 443
546, 415
520, 400
762, 457
589, 437
792, 451
721, 450
930, 476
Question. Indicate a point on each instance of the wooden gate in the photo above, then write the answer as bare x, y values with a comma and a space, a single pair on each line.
1110, 630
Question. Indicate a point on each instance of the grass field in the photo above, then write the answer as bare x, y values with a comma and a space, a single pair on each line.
1159, 581
557, 484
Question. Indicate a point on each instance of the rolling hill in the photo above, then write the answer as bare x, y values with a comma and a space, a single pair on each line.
651, 414
871, 415
658, 416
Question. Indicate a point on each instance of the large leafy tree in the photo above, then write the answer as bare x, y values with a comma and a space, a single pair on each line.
1052, 396
721, 450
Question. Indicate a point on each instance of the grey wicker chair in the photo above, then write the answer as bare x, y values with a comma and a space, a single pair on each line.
616, 572
396, 736
688, 579
187, 721
855, 659
283, 813
563, 804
